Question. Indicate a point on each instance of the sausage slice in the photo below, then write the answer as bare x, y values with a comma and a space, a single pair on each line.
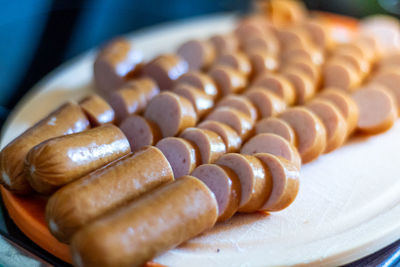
338, 73
236, 60
225, 185
273, 144
390, 78
307, 67
97, 110
225, 43
277, 126
198, 54
267, 103
210, 144
183, 155
201, 102
171, 112
267, 43
201, 81
310, 132
255, 180
231, 139
261, 61
240, 103
302, 84
277, 84
228, 80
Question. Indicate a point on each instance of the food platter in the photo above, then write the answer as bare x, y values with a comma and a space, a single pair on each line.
347, 207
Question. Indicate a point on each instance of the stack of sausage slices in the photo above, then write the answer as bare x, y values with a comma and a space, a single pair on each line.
169, 147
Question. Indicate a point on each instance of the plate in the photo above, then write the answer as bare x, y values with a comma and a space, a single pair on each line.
347, 207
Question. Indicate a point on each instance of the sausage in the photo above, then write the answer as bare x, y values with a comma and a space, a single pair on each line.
389, 61
253, 26
370, 44
302, 84
165, 70
390, 78
268, 43
273, 144
171, 112
115, 64
231, 139
241, 123
240, 103
338, 73
61, 160
105, 189
286, 13
310, 132
267, 103
345, 104
140, 132
133, 97
307, 67
277, 126
228, 80
183, 155
378, 110
145, 228
225, 43
358, 49
293, 37
201, 81
261, 61
211, 146
97, 110
201, 102
225, 185
285, 181
255, 180
236, 60
319, 33
67, 119
277, 84
198, 54
361, 66
310, 54
334, 122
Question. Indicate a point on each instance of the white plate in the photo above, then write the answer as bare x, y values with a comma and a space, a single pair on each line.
347, 206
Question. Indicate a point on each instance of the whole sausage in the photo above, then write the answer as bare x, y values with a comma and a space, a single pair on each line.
210, 144
182, 155
105, 189
277, 84
267, 103
225, 185
277, 126
141, 230
228, 80
140, 132
240, 103
165, 70
61, 160
201, 81
285, 181
201, 102
199, 54
67, 119
171, 112
255, 179
97, 110
231, 139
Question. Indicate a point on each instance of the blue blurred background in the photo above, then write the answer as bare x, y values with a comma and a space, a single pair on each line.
38, 35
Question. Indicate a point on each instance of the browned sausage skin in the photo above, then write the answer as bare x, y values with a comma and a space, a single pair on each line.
105, 189
61, 160
67, 119
131, 235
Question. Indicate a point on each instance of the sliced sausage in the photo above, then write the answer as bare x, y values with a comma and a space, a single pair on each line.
240, 103
273, 144
307, 67
225, 185
133, 97
201, 102
320, 34
201, 81
115, 64
310, 132
140, 132
345, 104
267, 103
390, 78
183, 155
293, 37
67, 119
357, 49
302, 84
361, 66
143, 229
165, 70
391, 60
241, 123
255, 180
199, 54
236, 60
277, 126
105, 189
268, 43
285, 181
211, 146
338, 73
261, 61
378, 110
253, 26
334, 122
286, 13
231, 139
228, 80
225, 43
171, 112
277, 84
61, 160
97, 110
310, 54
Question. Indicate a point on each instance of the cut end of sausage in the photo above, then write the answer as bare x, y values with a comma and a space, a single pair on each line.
267, 103
228, 80
231, 139
277, 126
97, 110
